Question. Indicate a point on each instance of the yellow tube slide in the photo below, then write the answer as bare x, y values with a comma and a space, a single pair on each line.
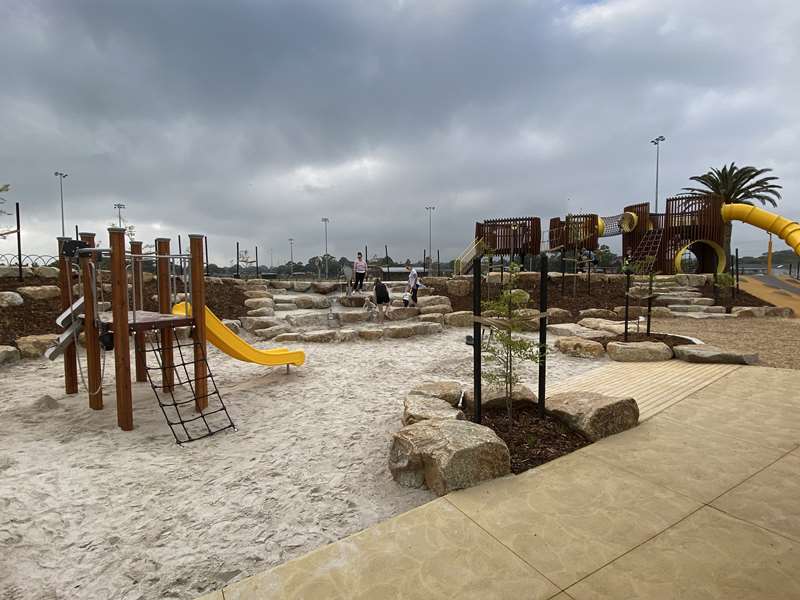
232, 345
788, 231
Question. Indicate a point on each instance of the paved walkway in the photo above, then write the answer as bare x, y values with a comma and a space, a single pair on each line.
771, 289
700, 501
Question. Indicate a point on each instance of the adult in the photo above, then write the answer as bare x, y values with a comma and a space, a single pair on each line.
411, 286
382, 298
360, 272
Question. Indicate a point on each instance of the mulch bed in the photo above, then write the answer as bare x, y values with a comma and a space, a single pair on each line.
669, 340
532, 441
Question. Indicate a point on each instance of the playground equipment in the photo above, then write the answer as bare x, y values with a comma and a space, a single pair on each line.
183, 384
652, 242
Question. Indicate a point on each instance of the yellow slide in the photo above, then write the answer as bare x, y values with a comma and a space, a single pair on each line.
232, 345
787, 230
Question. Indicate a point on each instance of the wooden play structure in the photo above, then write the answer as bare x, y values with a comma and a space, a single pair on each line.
178, 369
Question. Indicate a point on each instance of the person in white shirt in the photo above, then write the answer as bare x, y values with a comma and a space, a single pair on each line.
360, 272
412, 286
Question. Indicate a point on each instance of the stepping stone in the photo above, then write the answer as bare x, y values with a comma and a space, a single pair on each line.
706, 353
594, 415
638, 351
580, 347
418, 408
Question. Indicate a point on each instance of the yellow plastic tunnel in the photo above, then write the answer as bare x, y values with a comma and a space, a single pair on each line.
788, 231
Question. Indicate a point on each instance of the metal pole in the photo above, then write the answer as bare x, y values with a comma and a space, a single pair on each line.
180, 262
627, 302
649, 303
77, 236
542, 334
237, 260
658, 148
430, 210
563, 271
438, 265
388, 269
205, 247
476, 339
257, 275
19, 246
737, 270
291, 257
61, 187
325, 221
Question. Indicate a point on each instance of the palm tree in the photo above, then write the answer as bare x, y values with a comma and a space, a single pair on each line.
737, 185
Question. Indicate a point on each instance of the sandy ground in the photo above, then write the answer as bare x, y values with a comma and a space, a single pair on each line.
89, 511
777, 341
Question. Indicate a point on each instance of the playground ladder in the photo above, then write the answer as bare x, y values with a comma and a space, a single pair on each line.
644, 256
178, 401
463, 263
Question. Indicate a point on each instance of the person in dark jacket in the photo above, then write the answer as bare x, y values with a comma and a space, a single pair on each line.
382, 298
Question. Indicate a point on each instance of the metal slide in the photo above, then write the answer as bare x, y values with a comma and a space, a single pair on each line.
232, 345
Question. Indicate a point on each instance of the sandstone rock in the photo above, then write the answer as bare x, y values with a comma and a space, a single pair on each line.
705, 353
423, 292
322, 336
638, 351
261, 312
694, 308
438, 283
281, 284
214, 280
459, 287
286, 306
519, 296
529, 320
304, 302
460, 318
8, 299
495, 397
257, 294
749, 311
397, 303
39, 292
284, 299
418, 408
301, 286
232, 324
399, 331
528, 279
597, 313
259, 303
347, 335
427, 328
400, 314
267, 333
690, 279
14, 272
8, 354
287, 337
33, 346
353, 317
780, 311
432, 318
575, 330
558, 315
447, 455
351, 301
46, 272
433, 301
594, 415
370, 334
253, 323
257, 282
603, 325
320, 302
436, 309
310, 320
498, 277
656, 312
324, 287
580, 347
449, 391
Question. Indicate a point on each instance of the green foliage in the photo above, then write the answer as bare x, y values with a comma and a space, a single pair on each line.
605, 257
738, 185
724, 280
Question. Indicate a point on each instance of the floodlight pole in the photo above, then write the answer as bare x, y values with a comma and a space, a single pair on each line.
61, 177
657, 143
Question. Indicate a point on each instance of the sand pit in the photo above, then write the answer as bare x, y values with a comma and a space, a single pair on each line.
89, 511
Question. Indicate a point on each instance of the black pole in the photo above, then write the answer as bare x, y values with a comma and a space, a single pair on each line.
180, 251
476, 339
77, 237
438, 265
237, 260
205, 247
424, 260
388, 268
627, 302
19, 246
589, 279
649, 303
257, 275
737, 270
563, 271
542, 334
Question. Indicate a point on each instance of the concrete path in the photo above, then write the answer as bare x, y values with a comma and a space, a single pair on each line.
700, 501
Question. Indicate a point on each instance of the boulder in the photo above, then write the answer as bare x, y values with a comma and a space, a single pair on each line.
324, 287
634, 312
291, 336
436, 309
232, 324
281, 284
46, 272
597, 313
397, 303
427, 328
401, 314
498, 277
347, 335
352, 301
322, 336
260, 303
432, 318
495, 396
309, 320
8, 354
603, 325
706, 353
304, 302
214, 280
749, 311
353, 317
575, 330
33, 346
432, 301
268, 333
594, 415
779, 311
284, 299
370, 334
638, 351
558, 315
14, 272
418, 408
257, 281
321, 302
438, 283
447, 455
460, 318
449, 391
399, 331
253, 323
8, 299
286, 306
261, 312
459, 287
520, 297
690, 279
301, 286
257, 294
529, 320
580, 347
527, 279
39, 292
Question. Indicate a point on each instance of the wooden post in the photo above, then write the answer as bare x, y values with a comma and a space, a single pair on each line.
70, 353
199, 316
119, 306
94, 374
164, 307
138, 304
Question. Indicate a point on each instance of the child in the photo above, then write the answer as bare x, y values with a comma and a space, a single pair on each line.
382, 298
412, 286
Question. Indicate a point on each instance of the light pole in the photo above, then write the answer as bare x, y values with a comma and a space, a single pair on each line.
119, 206
657, 143
291, 257
325, 221
430, 210
61, 177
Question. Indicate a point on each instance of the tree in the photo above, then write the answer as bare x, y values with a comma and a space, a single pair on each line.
737, 185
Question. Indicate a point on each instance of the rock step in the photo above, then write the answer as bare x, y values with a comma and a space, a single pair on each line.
405, 330
667, 300
696, 308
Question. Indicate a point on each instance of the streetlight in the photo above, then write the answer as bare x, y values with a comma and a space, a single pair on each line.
657, 143
119, 206
430, 210
325, 221
61, 177
291, 257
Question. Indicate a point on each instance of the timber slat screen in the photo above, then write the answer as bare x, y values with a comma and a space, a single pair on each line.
581, 232
689, 219
517, 235
631, 240
555, 236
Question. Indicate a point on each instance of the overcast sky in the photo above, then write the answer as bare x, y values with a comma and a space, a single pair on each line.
252, 120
